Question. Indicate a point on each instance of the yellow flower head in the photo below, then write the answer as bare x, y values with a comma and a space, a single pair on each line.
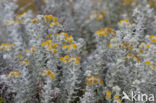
18, 21
19, 56
43, 73
153, 67
119, 100
12, 74
49, 73
123, 21
48, 18
61, 58
77, 61
126, 20
54, 50
108, 94
101, 82
89, 82
52, 75
34, 20
147, 62
148, 45
109, 46
66, 56
152, 36
49, 35
17, 74
55, 19
116, 97
105, 31
74, 46
153, 40
99, 17
64, 46
9, 22
94, 80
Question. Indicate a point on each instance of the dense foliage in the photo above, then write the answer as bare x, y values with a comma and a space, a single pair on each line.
77, 51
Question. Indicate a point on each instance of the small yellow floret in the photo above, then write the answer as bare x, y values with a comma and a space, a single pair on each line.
34, 20
147, 62
116, 97
48, 72
89, 82
74, 46
19, 56
126, 20
101, 82
148, 45
52, 75
153, 67
109, 45
18, 74
108, 94
54, 50
153, 40
43, 73
12, 74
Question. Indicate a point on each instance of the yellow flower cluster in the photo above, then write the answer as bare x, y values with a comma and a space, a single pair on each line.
129, 47
152, 3
123, 21
19, 56
94, 80
153, 38
133, 56
49, 35
108, 94
49, 73
21, 15
9, 22
52, 19
149, 64
69, 47
126, 45
98, 16
6, 46
17, 19
49, 18
127, 2
114, 42
54, 23
105, 31
144, 46
13, 74
68, 39
34, 20
49, 46
116, 96
66, 59
25, 62
31, 50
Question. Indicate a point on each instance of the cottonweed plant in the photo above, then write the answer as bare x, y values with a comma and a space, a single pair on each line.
50, 56
78, 51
